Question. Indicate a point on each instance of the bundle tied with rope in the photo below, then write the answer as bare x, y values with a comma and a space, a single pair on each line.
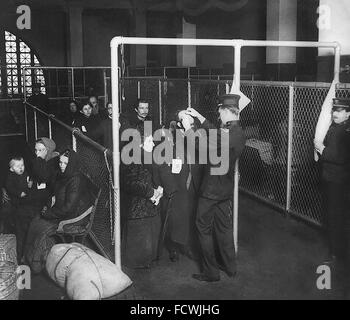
84, 274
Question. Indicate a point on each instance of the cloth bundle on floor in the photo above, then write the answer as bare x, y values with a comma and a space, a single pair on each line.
83, 273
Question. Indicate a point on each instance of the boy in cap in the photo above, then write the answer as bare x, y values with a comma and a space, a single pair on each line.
214, 211
335, 163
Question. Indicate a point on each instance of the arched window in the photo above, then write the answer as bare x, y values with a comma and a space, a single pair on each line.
18, 55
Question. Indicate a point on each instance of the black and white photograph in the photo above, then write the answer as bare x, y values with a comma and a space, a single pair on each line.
173, 155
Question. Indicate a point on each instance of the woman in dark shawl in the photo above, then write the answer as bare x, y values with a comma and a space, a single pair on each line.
69, 200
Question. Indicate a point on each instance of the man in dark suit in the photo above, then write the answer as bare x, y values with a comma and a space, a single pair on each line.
335, 163
214, 211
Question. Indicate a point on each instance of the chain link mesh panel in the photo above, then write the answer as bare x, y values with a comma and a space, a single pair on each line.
94, 165
263, 164
305, 180
175, 97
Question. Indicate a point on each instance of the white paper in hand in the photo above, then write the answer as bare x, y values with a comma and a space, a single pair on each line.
41, 186
176, 166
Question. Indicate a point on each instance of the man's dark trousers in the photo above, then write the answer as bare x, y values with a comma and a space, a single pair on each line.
214, 217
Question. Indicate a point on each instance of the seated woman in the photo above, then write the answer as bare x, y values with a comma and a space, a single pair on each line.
142, 211
70, 199
44, 164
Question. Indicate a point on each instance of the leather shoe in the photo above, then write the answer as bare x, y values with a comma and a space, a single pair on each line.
203, 277
173, 255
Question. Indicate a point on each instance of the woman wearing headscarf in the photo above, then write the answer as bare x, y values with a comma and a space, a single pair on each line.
71, 113
44, 165
70, 199
142, 210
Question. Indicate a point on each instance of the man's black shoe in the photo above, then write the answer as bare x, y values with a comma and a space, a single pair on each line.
203, 277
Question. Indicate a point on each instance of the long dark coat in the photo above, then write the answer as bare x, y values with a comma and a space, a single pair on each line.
183, 189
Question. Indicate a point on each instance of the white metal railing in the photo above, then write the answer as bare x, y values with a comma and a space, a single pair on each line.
237, 45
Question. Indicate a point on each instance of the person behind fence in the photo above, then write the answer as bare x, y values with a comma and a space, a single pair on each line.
185, 182
99, 112
44, 164
71, 113
103, 132
141, 208
69, 200
214, 211
38, 99
86, 122
335, 164
140, 114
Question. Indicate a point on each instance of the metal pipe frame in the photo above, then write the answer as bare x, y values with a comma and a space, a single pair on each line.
116, 153
290, 146
237, 44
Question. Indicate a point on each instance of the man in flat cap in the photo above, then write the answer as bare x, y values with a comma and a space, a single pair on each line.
214, 211
335, 164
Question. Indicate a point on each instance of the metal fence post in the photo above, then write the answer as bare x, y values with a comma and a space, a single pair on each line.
35, 126
237, 83
73, 88
50, 129
138, 89
189, 93
227, 87
160, 102
290, 149
105, 87
25, 102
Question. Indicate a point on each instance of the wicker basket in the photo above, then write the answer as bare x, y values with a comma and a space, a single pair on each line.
8, 267
8, 248
8, 281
